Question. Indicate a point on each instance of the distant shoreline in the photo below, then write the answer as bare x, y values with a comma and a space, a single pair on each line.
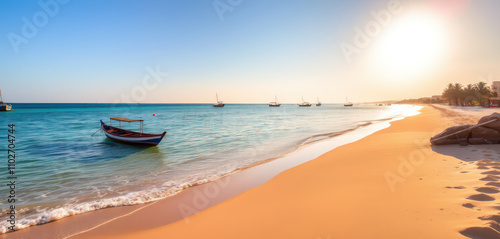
182, 104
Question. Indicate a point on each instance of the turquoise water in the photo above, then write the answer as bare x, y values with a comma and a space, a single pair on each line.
62, 170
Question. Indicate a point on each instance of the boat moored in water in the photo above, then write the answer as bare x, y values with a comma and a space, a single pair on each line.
348, 103
275, 103
304, 103
130, 137
219, 103
3, 106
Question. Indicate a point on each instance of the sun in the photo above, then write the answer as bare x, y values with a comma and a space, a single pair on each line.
411, 46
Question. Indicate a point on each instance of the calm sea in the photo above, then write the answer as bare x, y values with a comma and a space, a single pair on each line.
62, 170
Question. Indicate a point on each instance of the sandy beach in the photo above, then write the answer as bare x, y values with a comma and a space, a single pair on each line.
391, 184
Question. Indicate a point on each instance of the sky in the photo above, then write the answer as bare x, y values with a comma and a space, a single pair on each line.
177, 51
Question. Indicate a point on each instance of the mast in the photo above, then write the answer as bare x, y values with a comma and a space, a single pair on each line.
1, 98
275, 99
217, 97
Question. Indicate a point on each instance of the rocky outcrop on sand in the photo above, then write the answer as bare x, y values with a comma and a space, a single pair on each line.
486, 131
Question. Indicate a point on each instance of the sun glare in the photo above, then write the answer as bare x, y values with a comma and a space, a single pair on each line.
411, 46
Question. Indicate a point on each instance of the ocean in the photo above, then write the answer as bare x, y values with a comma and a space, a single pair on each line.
63, 170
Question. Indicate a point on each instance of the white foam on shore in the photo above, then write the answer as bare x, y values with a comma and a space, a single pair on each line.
42, 216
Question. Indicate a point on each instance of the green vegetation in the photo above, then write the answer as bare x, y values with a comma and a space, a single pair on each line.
472, 94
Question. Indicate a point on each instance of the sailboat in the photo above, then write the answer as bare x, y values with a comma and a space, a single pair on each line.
3, 106
219, 103
318, 103
304, 103
275, 103
347, 102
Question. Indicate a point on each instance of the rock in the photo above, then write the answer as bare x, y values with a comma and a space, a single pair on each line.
484, 132
452, 139
476, 137
495, 125
489, 133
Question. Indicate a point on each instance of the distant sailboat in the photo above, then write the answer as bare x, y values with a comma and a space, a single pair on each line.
219, 103
347, 102
304, 103
3, 106
275, 103
318, 103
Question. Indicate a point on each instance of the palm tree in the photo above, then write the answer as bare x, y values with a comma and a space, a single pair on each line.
448, 93
458, 94
483, 92
470, 94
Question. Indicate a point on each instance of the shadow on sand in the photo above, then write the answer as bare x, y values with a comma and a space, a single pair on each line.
470, 152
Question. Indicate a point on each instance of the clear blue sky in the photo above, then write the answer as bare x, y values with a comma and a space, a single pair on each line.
97, 51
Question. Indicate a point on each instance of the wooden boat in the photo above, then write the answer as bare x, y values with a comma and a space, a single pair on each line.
219, 103
3, 106
130, 137
304, 103
347, 104
318, 103
275, 103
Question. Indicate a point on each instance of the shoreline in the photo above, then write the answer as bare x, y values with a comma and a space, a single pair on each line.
345, 190
265, 169
471, 111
